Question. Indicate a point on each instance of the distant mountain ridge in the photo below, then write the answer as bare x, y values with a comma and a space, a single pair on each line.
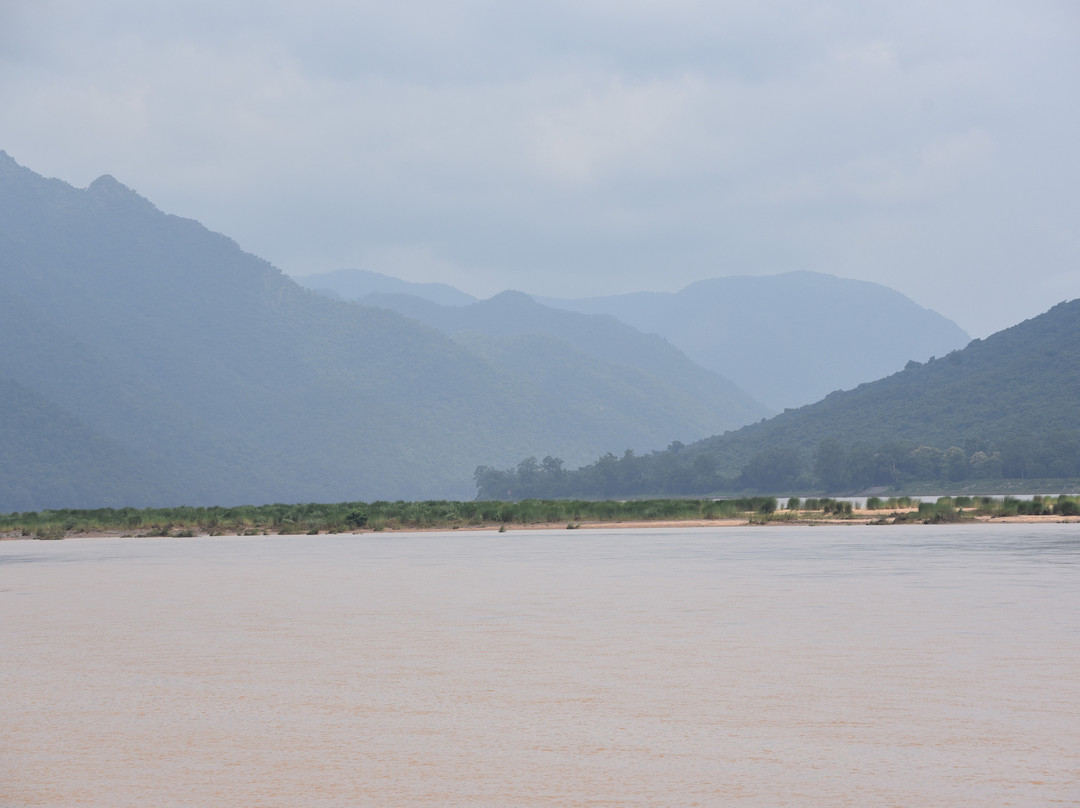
149, 361
787, 339
356, 284
659, 366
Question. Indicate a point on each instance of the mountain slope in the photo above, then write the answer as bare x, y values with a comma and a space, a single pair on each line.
1025, 378
356, 284
1011, 401
39, 439
653, 364
787, 339
184, 371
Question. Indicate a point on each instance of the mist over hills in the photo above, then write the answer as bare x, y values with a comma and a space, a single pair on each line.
147, 360
356, 284
789, 339
786, 340
565, 339
1008, 405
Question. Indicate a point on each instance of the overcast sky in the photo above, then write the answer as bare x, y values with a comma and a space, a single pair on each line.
585, 147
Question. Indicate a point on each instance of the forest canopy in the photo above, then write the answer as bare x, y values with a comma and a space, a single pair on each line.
832, 466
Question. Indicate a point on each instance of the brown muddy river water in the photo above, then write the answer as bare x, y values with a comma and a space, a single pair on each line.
780, 666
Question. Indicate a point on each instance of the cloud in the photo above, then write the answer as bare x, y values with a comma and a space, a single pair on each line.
576, 148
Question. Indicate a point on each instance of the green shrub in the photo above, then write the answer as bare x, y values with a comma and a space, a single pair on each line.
356, 518
942, 514
1069, 507
50, 533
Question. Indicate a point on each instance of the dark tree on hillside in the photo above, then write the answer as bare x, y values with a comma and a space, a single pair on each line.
923, 463
984, 466
774, 469
528, 473
553, 467
862, 466
831, 465
954, 464
1018, 457
494, 484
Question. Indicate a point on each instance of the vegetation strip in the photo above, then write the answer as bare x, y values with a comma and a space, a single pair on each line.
344, 517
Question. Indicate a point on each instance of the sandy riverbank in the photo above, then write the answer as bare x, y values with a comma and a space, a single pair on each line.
859, 517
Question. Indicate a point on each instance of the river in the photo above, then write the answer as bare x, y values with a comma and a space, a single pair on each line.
765, 666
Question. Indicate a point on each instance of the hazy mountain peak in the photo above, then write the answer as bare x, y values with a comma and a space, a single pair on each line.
107, 183
108, 189
512, 297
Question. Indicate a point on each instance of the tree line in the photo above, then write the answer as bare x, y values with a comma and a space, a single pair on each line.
833, 466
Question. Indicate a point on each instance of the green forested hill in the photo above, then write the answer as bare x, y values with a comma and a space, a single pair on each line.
1007, 405
148, 361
